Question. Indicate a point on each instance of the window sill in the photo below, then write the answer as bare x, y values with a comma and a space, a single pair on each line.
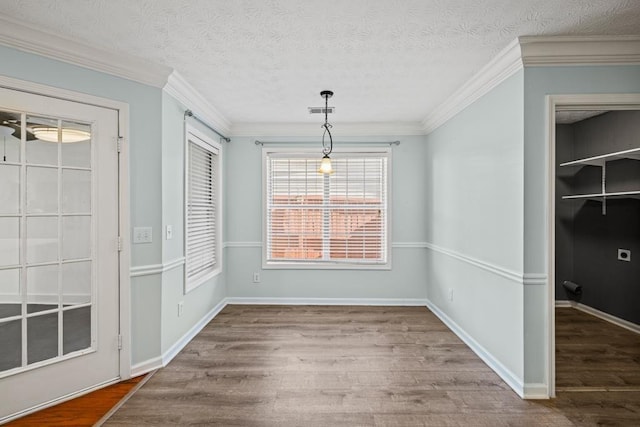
285, 265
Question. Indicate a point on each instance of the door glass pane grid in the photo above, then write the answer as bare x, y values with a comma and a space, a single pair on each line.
42, 316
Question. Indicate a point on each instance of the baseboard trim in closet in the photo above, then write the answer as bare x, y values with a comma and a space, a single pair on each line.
600, 314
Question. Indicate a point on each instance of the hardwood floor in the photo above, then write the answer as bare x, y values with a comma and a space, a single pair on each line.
329, 366
593, 353
357, 366
82, 411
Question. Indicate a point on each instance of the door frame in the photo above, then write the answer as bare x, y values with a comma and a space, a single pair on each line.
122, 110
609, 102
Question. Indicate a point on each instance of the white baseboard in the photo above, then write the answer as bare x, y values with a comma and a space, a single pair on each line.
633, 327
146, 366
154, 363
410, 302
168, 355
563, 304
509, 377
536, 391
59, 400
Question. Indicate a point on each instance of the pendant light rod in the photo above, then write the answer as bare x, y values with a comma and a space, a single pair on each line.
326, 94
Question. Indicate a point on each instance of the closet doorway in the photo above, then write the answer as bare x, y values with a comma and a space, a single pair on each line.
594, 243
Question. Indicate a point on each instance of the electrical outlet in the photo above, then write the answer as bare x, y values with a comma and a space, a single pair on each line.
624, 255
169, 232
256, 277
180, 308
142, 235
450, 294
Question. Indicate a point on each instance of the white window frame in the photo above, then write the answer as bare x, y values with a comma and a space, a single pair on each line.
325, 265
193, 135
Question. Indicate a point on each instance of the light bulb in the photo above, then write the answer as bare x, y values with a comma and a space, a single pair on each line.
325, 165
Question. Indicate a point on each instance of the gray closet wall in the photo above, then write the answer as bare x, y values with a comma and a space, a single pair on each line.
587, 241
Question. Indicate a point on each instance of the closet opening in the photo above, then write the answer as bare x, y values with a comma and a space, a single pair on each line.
594, 272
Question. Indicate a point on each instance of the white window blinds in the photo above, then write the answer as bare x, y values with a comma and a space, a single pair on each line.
202, 212
338, 218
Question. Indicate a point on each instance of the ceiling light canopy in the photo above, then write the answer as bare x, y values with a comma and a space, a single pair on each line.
327, 148
65, 135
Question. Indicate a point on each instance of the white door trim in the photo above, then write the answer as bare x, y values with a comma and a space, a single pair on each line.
122, 110
610, 102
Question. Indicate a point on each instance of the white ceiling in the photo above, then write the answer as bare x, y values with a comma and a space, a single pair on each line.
267, 60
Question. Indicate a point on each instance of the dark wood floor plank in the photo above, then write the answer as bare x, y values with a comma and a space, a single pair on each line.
591, 352
329, 366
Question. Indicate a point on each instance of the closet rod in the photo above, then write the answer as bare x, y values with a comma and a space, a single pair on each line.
189, 113
334, 142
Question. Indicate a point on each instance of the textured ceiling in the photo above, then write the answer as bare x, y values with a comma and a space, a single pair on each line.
267, 60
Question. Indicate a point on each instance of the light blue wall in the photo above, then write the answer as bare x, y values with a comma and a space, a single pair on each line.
201, 300
156, 168
474, 219
538, 83
145, 106
406, 280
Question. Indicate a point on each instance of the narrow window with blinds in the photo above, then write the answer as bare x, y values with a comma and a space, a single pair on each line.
202, 210
337, 220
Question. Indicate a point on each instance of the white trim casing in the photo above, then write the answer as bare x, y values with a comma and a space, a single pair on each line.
573, 102
193, 136
122, 110
297, 150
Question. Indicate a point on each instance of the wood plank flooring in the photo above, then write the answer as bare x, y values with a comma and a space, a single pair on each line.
83, 411
329, 366
593, 353
373, 366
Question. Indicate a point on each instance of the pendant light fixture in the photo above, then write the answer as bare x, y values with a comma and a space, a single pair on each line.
325, 163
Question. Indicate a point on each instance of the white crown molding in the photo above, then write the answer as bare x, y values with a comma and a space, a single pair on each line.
187, 95
314, 129
537, 51
580, 50
501, 67
22, 37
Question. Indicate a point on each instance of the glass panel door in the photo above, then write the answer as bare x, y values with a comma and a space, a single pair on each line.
46, 245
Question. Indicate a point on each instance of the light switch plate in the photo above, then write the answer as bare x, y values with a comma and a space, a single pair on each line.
169, 232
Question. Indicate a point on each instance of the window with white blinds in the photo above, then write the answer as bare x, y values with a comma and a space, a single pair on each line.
202, 217
334, 220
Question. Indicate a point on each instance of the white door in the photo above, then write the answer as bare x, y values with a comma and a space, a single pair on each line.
59, 288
